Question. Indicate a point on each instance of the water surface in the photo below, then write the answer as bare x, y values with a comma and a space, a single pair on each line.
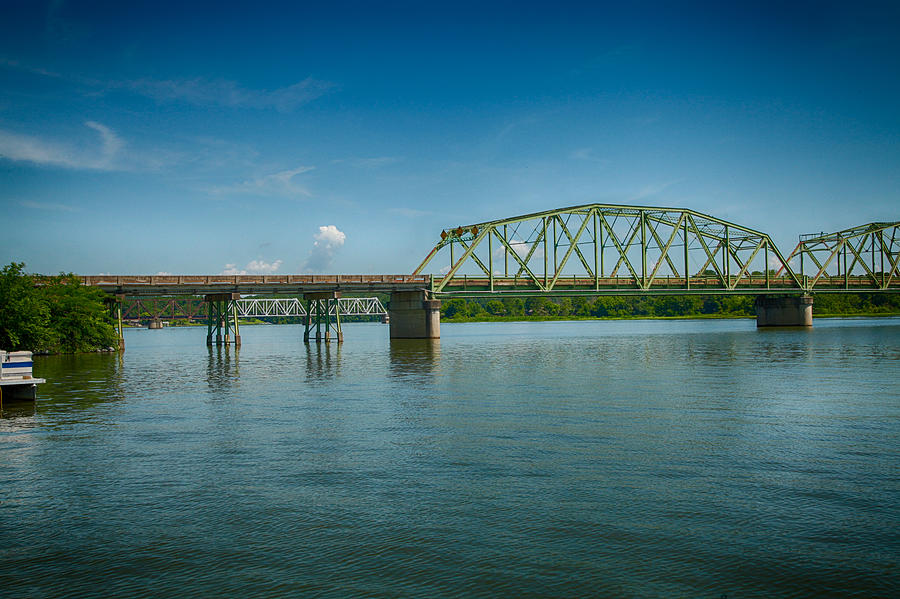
593, 458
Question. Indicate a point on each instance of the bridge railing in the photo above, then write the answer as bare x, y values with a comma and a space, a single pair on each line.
239, 280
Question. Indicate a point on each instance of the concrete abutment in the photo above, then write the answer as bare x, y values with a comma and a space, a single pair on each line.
784, 311
412, 315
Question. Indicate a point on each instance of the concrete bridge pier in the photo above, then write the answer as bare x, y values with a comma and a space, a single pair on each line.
784, 311
412, 315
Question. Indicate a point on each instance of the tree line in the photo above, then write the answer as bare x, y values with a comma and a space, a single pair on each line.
52, 314
654, 306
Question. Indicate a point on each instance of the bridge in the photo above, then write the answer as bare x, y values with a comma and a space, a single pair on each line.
192, 308
593, 249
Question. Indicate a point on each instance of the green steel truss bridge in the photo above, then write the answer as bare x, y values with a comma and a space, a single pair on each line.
599, 249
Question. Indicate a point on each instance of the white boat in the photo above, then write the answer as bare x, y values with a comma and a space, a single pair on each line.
16, 380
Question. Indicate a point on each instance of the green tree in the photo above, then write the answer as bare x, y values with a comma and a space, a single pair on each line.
515, 306
496, 308
78, 316
453, 308
24, 317
55, 314
581, 306
475, 309
537, 305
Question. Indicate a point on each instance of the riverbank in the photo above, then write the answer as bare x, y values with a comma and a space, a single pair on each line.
544, 318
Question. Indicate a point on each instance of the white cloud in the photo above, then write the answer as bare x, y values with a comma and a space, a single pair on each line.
29, 148
260, 266
253, 267
522, 248
205, 92
277, 184
326, 243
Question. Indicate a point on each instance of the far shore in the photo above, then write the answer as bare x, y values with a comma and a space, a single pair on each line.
546, 318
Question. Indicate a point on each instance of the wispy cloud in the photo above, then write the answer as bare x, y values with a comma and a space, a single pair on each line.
221, 92
277, 184
373, 162
326, 244
28, 148
410, 212
198, 91
50, 206
18, 66
510, 127
588, 155
653, 189
112, 143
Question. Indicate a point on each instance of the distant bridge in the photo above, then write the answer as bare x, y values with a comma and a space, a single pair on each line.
345, 306
195, 308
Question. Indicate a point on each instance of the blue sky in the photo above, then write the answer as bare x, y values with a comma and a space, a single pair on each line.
211, 137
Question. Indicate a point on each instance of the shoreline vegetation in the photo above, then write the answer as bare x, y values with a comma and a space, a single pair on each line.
653, 307
52, 314
685, 317
59, 315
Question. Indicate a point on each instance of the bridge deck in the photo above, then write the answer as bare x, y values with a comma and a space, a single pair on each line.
149, 285
250, 284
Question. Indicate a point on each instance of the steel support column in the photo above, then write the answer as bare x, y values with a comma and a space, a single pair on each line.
319, 308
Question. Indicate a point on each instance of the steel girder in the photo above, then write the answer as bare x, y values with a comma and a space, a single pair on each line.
605, 247
862, 256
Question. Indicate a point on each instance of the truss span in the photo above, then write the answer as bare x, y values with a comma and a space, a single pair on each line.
605, 247
864, 255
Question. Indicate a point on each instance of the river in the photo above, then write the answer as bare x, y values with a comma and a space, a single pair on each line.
692, 458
